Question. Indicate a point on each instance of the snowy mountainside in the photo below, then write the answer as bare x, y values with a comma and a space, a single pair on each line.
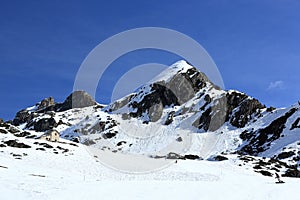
179, 114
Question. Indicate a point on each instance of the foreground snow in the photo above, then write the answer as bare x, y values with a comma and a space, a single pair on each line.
42, 175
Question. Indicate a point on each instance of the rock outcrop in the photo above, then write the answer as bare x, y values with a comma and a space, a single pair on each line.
23, 116
260, 140
78, 99
46, 103
45, 124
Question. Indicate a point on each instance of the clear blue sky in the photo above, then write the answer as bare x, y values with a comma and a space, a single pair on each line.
255, 44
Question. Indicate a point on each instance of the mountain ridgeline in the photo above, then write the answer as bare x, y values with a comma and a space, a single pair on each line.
180, 99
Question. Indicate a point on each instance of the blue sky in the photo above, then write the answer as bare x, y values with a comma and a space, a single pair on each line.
255, 44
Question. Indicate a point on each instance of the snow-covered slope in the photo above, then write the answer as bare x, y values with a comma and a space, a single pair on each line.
179, 116
44, 175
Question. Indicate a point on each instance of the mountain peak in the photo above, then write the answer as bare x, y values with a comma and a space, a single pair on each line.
178, 67
181, 64
174, 86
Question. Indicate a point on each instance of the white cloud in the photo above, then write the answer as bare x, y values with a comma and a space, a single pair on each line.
276, 85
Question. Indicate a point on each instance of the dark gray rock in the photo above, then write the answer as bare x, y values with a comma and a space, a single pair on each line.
244, 108
45, 124
120, 103
89, 142
260, 140
46, 145
14, 143
265, 173
23, 116
284, 155
295, 173
3, 131
177, 90
192, 157
76, 139
296, 124
23, 134
13, 129
110, 134
244, 113
234, 107
78, 99
270, 109
204, 121
121, 143
220, 158
46, 103
170, 118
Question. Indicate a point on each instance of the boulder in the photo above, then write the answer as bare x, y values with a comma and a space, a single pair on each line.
192, 157
14, 143
220, 158
284, 155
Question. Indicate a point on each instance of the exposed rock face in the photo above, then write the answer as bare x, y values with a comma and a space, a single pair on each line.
244, 106
149, 101
176, 90
234, 107
45, 124
78, 99
296, 124
153, 103
204, 121
23, 116
245, 111
46, 103
120, 103
170, 118
259, 141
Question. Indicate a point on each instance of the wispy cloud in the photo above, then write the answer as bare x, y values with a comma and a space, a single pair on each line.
276, 85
